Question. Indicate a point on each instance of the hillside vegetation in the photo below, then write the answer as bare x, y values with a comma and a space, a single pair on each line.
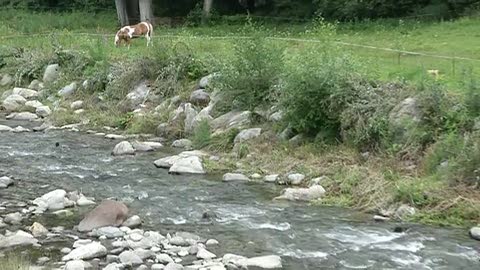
374, 125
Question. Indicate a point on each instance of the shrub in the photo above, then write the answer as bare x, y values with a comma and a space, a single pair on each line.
202, 135
250, 79
315, 93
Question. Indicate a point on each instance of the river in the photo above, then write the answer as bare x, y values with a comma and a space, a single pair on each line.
248, 222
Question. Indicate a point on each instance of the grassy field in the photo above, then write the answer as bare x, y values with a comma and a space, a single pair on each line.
450, 38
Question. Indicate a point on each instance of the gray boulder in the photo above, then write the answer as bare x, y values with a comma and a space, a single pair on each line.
22, 116
123, 148
35, 85
33, 104
405, 118
302, 194
76, 105
234, 119
130, 258
206, 81
108, 232
51, 74
247, 134
86, 252
137, 97
78, 265
38, 230
5, 182
132, 222
295, 178
190, 114
182, 143
43, 111
13, 102
265, 262
205, 254
13, 218
272, 178
54, 200
404, 211
68, 90
18, 239
20, 129
142, 147
228, 177
187, 165
199, 97
475, 233
4, 128
24, 92
173, 266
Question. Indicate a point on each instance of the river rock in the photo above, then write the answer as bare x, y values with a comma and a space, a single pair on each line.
13, 102
24, 92
379, 218
144, 254
43, 111
38, 230
199, 97
206, 81
178, 241
295, 178
6, 80
54, 200
234, 177
114, 266
115, 137
475, 233
22, 116
157, 266
68, 90
187, 165
76, 105
86, 252
190, 114
302, 194
142, 147
109, 232
404, 119
211, 242
164, 258
51, 74
4, 128
84, 201
82, 242
234, 119
65, 250
78, 265
130, 258
137, 96
205, 254
13, 218
173, 266
20, 129
247, 134
5, 182
35, 85
182, 143
265, 262
404, 212
123, 148
20, 238
33, 104
133, 222
107, 213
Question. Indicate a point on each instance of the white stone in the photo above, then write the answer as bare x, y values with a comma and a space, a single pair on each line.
20, 238
182, 143
13, 218
54, 200
164, 258
295, 178
234, 177
4, 128
133, 222
13, 102
130, 258
265, 262
38, 230
24, 92
302, 194
65, 250
123, 148
89, 251
211, 242
20, 129
33, 104
475, 233
52, 72
5, 182
247, 134
43, 111
188, 165
115, 137
157, 266
84, 201
271, 178
76, 105
77, 265
82, 242
68, 90
108, 232
205, 254
22, 116
173, 266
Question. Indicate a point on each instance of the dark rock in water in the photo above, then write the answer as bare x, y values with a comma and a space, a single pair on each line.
57, 144
107, 213
400, 229
209, 215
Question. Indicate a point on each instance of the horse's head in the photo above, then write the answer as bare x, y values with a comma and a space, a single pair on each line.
121, 34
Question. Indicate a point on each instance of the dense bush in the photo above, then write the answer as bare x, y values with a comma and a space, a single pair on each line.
250, 79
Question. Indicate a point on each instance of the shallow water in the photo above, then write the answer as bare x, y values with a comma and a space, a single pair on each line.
248, 222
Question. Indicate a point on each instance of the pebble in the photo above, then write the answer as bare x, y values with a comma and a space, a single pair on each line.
157, 266
211, 242
65, 250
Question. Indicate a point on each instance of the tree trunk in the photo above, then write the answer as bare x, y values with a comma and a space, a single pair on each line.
207, 8
133, 11
121, 6
146, 12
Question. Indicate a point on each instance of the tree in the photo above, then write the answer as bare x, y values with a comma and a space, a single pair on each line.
207, 8
121, 6
146, 12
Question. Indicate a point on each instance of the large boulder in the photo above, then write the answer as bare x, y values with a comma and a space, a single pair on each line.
43, 111
38, 230
22, 116
229, 177
107, 213
130, 258
68, 90
86, 252
4, 128
35, 85
302, 194
200, 97
13, 102
123, 148
142, 146
5, 182
295, 178
136, 97
188, 165
247, 134
54, 200
234, 119
206, 81
404, 212
32, 105
182, 143
168, 162
78, 265
190, 114
24, 92
76, 105
475, 233
20, 238
261, 262
405, 118
51, 74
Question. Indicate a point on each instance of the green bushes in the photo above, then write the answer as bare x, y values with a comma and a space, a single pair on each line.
249, 81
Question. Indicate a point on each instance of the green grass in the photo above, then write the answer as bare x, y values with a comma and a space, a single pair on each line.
13, 262
449, 38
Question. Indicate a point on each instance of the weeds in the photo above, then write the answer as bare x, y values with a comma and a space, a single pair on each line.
202, 135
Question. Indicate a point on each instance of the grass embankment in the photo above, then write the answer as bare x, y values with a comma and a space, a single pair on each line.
335, 95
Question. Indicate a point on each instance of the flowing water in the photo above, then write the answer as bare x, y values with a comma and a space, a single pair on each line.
247, 221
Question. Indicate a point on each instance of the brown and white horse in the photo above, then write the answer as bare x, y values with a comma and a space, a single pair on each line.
128, 32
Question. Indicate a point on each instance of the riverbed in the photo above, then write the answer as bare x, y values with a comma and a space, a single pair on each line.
246, 221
